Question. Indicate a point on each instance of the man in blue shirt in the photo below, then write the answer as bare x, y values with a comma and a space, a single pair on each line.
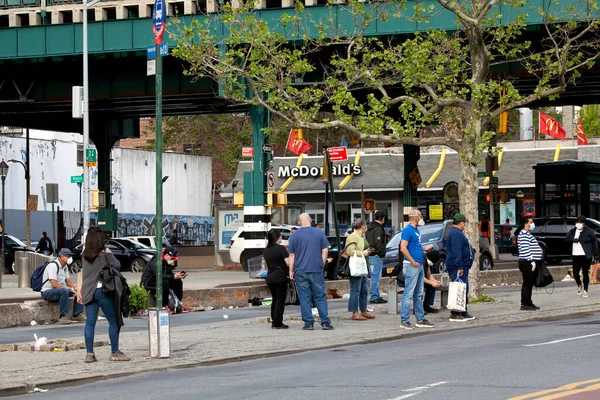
414, 275
459, 259
308, 249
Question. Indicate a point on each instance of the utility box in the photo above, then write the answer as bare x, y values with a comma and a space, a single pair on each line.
159, 332
107, 219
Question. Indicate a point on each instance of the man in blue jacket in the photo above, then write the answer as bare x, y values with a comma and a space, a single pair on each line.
459, 259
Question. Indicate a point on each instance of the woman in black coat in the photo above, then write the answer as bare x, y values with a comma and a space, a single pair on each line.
277, 259
584, 246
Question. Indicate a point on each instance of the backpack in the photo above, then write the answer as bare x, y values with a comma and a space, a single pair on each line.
175, 304
36, 278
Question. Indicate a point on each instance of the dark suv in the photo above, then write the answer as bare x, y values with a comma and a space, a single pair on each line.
550, 233
435, 234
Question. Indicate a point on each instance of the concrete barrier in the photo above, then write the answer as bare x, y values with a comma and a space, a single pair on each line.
19, 314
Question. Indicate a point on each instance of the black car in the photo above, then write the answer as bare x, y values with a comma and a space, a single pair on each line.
11, 245
435, 234
330, 270
132, 255
550, 233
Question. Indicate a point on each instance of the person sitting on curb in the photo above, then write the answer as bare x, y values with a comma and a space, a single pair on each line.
58, 287
171, 280
431, 284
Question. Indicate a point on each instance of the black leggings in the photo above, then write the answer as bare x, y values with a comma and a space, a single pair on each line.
278, 292
582, 263
528, 280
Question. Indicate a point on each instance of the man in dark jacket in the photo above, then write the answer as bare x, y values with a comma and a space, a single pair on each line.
171, 280
377, 239
584, 246
45, 245
459, 259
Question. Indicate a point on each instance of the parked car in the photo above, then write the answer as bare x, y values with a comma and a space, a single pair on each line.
132, 255
550, 233
12, 244
435, 234
236, 246
331, 269
149, 241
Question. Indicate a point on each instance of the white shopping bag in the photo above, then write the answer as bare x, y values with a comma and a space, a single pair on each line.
358, 265
457, 296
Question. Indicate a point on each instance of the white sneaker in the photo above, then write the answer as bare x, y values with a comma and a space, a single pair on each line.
579, 290
585, 293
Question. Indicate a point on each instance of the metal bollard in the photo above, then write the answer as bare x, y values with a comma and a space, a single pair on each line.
22, 270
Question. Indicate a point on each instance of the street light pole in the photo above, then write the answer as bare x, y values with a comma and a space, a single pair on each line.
86, 121
3, 173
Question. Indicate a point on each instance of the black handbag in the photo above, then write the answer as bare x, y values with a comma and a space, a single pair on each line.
291, 296
543, 277
343, 263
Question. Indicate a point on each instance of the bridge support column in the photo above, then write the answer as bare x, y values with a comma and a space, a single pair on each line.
411, 157
257, 217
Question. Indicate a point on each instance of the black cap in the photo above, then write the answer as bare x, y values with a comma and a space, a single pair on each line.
170, 250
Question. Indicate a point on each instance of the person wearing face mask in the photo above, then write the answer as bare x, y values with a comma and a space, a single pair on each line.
459, 259
584, 247
530, 257
58, 287
357, 245
171, 280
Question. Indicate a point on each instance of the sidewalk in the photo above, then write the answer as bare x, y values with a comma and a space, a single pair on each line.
233, 341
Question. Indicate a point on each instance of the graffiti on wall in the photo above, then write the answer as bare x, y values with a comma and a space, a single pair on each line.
198, 231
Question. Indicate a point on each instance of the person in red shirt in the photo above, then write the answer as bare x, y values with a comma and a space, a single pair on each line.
484, 227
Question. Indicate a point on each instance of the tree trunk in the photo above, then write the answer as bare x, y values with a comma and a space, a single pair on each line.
468, 188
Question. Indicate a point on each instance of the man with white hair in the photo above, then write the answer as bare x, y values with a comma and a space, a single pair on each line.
308, 250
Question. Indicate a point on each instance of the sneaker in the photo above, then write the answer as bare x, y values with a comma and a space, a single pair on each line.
424, 324
534, 306
407, 325
468, 317
326, 326
378, 301
579, 290
527, 308
431, 310
282, 326
308, 327
457, 318
119, 356
90, 358
585, 293
78, 318
64, 320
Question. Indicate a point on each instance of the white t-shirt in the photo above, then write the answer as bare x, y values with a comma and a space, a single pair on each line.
577, 247
52, 272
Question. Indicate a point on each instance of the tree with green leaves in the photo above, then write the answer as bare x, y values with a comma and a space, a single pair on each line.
427, 87
590, 120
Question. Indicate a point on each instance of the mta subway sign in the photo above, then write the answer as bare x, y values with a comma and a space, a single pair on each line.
158, 20
304, 171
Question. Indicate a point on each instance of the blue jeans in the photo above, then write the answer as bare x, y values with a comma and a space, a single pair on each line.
413, 290
311, 286
107, 304
376, 266
358, 294
452, 275
62, 296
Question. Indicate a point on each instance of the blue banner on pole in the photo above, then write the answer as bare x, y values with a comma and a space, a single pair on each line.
158, 20
151, 51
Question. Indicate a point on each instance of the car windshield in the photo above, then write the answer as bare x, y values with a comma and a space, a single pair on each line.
131, 244
17, 241
431, 233
394, 242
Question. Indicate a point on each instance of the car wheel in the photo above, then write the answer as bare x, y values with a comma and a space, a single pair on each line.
243, 261
486, 263
75, 268
137, 265
554, 260
440, 266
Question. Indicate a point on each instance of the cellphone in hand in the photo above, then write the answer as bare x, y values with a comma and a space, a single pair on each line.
183, 272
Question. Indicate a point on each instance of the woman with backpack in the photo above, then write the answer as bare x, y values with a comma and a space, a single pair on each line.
95, 258
530, 258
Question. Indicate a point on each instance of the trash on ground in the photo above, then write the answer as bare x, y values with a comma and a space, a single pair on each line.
346, 296
567, 278
38, 390
33, 323
39, 342
226, 316
100, 318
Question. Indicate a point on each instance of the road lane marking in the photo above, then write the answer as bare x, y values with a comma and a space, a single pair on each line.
562, 340
417, 390
570, 392
405, 396
569, 386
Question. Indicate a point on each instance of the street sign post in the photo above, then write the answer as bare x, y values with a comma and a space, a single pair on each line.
158, 21
77, 179
338, 153
90, 157
271, 180
267, 148
151, 51
247, 151
151, 67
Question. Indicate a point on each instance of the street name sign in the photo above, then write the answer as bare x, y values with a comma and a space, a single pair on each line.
151, 51
77, 179
90, 157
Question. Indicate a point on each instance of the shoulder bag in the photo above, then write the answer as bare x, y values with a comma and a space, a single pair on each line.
343, 267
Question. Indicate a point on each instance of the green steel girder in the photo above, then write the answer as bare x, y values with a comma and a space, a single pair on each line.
116, 36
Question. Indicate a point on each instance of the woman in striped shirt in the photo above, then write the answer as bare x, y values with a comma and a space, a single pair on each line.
530, 257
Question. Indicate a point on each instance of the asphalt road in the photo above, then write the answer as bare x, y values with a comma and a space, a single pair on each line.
490, 363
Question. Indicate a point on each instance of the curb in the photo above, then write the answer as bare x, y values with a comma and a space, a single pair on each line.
25, 387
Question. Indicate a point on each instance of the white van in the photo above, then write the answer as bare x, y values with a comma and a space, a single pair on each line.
236, 246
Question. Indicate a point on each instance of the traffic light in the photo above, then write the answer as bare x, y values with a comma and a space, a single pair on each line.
503, 126
369, 205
